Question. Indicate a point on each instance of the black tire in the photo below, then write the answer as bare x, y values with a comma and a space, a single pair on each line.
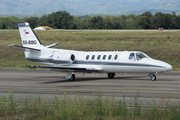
111, 75
72, 77
153, 77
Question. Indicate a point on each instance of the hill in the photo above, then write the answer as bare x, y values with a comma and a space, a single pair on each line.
82, 7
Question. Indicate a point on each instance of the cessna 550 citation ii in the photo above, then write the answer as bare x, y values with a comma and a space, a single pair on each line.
71, 61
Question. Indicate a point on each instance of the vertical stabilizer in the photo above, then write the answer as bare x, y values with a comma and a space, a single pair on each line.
28, 37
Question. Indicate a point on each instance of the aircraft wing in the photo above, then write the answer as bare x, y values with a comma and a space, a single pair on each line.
21, 48
71, 68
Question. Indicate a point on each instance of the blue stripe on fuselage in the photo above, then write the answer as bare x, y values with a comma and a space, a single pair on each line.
93, 63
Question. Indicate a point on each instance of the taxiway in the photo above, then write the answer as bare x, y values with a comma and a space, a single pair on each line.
48, 83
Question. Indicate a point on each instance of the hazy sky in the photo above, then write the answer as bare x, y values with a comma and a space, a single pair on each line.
88, 6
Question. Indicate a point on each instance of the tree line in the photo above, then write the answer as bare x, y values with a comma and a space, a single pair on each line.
63, 20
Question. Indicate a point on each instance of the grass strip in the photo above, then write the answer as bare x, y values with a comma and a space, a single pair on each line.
161, 45
79, 108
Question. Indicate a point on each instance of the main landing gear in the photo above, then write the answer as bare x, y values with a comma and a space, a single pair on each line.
111, 75
152, 76
71, 76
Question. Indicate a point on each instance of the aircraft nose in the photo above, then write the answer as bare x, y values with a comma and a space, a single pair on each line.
168, 67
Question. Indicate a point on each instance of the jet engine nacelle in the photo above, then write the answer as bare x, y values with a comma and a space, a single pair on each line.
64, 58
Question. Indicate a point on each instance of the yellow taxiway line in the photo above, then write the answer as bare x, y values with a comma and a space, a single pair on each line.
95, 90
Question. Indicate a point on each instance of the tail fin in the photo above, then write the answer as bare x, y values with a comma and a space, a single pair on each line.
28, 37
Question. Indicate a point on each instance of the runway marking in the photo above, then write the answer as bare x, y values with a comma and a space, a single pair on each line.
13, 77
27, 77
96, 90
142, 80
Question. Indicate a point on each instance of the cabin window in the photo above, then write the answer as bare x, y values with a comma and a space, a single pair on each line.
110, 56
132, 57
139, 56
87, 57
104, 57
115, 57
99, 56
93, 57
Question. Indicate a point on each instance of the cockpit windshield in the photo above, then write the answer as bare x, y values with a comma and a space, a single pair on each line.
132, 57
140, 56
137, 56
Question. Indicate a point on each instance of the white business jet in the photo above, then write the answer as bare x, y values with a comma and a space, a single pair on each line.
71, 61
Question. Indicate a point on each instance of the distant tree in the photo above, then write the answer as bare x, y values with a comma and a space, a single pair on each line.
107, 24
131, 16
148, 14
33, 21
130, 23
3, 26
116, 23
149, 20
42, 21
159, 20
178, 21
144, 22
122, 20
8, 22
95, 23
99, 23
76, 23
60, 20
83, 23
172, 20
63, 20
166, 20
11, 22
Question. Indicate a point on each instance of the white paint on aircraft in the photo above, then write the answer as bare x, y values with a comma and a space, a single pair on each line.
72, 61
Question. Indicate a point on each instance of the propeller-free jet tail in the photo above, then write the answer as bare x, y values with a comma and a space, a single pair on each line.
71, 61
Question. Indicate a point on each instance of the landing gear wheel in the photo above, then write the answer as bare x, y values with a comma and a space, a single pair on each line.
72, 77
152, 77
111, 75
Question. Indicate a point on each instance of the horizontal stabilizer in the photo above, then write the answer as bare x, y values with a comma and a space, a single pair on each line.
52, 45
21, 48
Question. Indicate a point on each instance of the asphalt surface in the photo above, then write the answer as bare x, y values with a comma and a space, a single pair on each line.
23, 83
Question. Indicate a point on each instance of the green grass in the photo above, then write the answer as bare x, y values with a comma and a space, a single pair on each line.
163, 46
79, 108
